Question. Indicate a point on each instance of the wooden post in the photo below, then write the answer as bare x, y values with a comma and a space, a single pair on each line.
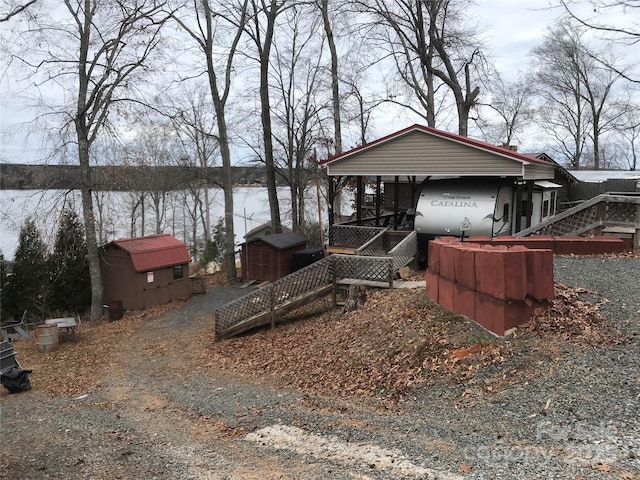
272, 306
335, 282
378, 200
359, 193
396, 200
331, 194
518, 207
529, 202
636, 235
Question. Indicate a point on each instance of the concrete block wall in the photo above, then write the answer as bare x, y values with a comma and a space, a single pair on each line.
497, 286
563, 245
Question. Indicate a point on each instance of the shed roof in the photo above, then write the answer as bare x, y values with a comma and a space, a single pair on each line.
424, 151
282, 241
154, 251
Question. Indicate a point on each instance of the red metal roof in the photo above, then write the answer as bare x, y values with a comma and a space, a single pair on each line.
505, 152
154, 251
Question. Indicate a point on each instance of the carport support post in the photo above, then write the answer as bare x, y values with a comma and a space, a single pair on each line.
518, 205
529, 202
378, 199
636, 235
396, 199
332, 196
359, 193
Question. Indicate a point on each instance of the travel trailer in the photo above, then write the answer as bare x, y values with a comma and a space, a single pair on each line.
480, 206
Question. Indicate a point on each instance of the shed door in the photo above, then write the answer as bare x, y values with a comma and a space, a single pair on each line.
264, 264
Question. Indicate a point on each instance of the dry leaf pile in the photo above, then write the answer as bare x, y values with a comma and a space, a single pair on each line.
571, 315
399, 340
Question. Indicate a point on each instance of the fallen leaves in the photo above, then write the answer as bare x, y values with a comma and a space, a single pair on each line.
571, 315
398, 341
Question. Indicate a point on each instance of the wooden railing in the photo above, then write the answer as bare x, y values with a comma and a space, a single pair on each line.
265, 305
371, 265
405, 251
606, 210
351, 236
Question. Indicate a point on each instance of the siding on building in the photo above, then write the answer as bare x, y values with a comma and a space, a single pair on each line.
142, 272
419, 150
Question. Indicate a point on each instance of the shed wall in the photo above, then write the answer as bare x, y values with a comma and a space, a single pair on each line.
121, 282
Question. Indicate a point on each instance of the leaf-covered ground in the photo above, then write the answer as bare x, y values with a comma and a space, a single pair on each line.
398, 341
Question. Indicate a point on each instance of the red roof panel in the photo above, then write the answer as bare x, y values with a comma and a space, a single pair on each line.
155, 251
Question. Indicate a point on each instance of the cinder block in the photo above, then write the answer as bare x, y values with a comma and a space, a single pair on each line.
478, 239
465, 265
502, 273
446, 293
447, 262
569, 244
432, 285
540, 274
600, 245
535, 241
433, 260
490, 274
464, 301
539, 242
500, 315
449, 239
506, 240
515, 264
519, 312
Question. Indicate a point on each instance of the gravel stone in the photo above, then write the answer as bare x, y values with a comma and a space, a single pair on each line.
579, 418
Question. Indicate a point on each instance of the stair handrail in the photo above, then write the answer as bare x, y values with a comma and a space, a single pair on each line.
618, 197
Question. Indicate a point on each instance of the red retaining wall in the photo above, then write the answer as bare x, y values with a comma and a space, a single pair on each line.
499, 282
563, 245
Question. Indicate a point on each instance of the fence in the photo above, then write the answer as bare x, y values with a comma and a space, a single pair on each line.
351, 236
266, 305
605, 210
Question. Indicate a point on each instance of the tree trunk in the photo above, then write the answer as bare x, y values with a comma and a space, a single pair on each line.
89, 222
265, 114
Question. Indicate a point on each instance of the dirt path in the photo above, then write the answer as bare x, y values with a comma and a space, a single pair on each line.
143, 398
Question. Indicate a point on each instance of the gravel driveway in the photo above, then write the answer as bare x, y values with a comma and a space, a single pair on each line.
579, 418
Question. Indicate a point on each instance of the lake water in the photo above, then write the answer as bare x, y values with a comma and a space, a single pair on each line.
251, 206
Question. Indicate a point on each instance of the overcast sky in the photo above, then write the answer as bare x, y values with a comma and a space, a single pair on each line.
511, 29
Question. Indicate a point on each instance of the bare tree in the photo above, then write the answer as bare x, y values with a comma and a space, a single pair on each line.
261, 30
296, 105
630, 133
196, 127
323, 6
432, 47
576, 91
95, 52
10, 9
207, 29
602, 10
512, 102
155, 145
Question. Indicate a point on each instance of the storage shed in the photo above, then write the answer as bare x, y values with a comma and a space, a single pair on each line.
145, 271
270, 258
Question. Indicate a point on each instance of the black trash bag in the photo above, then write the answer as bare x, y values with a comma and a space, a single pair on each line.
16, 379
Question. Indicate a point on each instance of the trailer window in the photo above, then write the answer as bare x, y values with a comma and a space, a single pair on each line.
545, 208
553, 202
505, 212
